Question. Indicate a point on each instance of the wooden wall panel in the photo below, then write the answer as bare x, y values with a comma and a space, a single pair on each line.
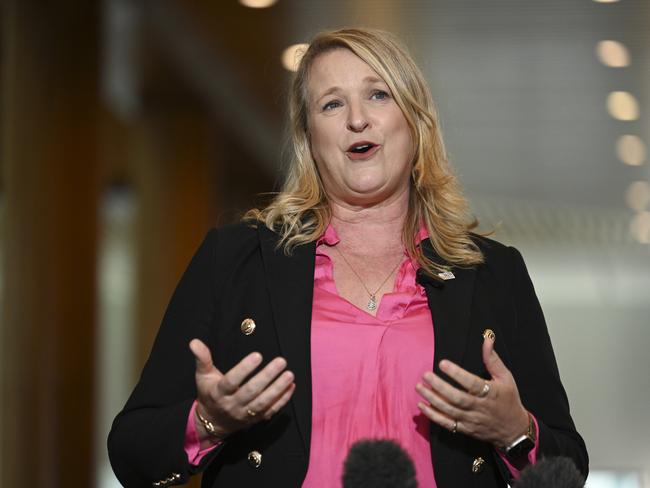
51, 180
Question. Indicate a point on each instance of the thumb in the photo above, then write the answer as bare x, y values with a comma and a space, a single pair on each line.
202, 356
492, 361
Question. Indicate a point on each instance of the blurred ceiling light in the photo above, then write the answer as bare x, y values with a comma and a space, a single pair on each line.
613, 53
257, 3
631, 150
638, 195
622, 106
605, 1
640, 227
292, 55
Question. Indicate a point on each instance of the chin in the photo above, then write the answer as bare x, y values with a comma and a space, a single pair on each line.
368, 183
366, 196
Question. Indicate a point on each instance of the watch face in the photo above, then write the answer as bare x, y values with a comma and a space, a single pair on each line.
520, 448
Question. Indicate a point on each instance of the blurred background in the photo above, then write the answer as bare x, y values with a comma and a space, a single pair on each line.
128, 128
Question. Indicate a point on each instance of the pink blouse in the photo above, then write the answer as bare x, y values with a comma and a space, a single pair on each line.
364, 372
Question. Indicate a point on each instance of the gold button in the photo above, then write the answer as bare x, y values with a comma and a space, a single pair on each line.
477, 465
255, 459
489, 334
248, 326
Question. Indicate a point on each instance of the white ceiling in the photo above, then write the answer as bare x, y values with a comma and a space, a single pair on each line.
521, 95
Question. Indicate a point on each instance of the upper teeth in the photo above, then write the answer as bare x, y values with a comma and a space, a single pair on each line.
363, 147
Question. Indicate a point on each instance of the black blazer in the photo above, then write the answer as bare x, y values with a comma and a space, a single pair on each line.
239, 273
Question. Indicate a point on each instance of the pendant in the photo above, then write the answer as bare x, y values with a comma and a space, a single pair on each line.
372, 303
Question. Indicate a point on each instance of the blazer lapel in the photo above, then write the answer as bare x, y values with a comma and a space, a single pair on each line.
450, 302
290, 281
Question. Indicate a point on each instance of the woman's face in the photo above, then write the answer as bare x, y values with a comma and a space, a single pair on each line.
359, 137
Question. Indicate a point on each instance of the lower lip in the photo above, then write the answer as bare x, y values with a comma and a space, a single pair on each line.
362, 156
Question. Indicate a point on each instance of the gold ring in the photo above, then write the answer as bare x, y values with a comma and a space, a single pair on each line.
454, 428
484, 392
251, 413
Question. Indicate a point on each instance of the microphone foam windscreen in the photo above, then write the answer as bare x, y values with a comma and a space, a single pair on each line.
558, 472
378, 464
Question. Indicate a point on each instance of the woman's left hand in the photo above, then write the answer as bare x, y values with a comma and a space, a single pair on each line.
491, 413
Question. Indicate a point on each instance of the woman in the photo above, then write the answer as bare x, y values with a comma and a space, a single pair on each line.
356, 305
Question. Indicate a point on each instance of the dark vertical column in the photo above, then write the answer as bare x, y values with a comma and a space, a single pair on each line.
50, 172
175, 185
174, 180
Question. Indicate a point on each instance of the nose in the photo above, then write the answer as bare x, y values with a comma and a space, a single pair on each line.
357, 118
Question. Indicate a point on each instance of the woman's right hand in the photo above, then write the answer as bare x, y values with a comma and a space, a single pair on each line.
230, 405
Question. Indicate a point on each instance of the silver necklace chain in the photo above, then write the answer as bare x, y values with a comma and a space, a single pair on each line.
372, 303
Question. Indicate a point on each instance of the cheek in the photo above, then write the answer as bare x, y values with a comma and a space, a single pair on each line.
319, 141
403, 142
319, 154
408, 145
324, 147
400, 128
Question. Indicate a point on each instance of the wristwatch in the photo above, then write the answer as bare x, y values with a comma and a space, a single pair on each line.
517, 451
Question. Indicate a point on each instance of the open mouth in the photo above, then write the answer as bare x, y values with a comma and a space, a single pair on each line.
362, 150
361, 147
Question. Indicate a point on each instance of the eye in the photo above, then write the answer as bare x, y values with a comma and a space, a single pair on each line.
331, 105
379, 95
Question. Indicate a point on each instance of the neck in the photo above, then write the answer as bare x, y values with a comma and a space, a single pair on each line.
375, 229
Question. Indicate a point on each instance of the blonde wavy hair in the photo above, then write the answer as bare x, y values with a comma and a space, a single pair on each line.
300, 212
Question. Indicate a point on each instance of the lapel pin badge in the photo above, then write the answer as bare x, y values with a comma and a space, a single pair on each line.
446, 275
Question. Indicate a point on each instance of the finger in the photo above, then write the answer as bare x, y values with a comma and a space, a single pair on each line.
280, 402
472, 383
230, 382
492, 361
439, 403
269, 395
202, 356
260, 381
453, 395
437, 417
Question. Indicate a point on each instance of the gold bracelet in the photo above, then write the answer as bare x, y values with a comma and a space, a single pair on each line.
209, 426
532, 431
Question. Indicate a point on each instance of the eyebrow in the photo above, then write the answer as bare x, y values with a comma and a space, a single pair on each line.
368, 79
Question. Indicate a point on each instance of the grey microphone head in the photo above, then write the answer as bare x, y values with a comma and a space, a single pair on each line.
378, 464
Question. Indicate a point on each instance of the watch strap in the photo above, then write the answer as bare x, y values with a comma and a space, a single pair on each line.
517, 451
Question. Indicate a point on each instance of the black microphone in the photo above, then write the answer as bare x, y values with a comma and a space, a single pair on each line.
424, 279
378, 464
558, 472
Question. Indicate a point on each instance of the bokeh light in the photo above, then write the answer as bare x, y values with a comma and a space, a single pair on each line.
640, 227
257, 3
631, 150
613, 54
637, 195
622, 106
